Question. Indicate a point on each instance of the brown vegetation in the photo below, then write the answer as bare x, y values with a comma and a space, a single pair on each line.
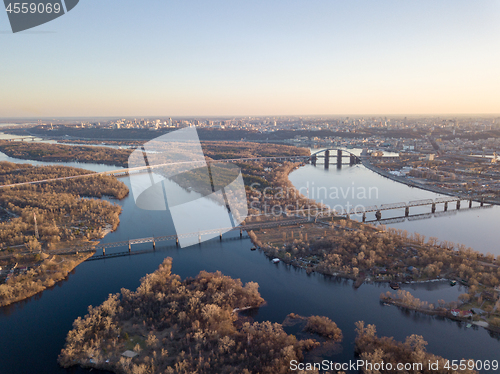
40, 275
61, 213
374, 349
181, 327
67, 153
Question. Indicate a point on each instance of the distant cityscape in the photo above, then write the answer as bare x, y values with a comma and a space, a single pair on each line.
462, 136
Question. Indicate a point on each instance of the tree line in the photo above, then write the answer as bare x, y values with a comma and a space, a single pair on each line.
184, 327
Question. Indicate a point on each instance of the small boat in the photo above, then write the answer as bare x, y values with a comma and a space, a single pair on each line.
453, 283
276, 260
394, 285
253, 248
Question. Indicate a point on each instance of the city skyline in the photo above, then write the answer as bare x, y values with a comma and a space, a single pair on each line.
260, 59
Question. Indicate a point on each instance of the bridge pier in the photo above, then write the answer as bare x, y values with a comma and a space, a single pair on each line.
220, 236
154, 244
177, 241
241, 233
458, 204
470, 203
445, 206
482, 201
129, 246
199, 238
352, 160
314, 158
378, 215
407, 211
339, 159
103, 251
433, 209
327, 159
364, 217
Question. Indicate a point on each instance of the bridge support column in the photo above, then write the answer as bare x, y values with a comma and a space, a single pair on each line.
339, 159
364, 217
313, 160
458, 204
378, 215
352, 160
470, 203
407, 211
129, 246
220, 236
103, 251
433, 208
241, 233
154, 245
445, 206
199, 238
482, 201
177, 241
327, 159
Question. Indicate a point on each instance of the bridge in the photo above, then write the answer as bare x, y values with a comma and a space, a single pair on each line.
22, 138
340, 155
140, 169
445, 200
297, 217
101, 247
422, 216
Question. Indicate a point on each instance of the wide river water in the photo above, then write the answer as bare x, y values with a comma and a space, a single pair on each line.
32, 332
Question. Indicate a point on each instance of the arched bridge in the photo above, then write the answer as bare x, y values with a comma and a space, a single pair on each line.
339, 154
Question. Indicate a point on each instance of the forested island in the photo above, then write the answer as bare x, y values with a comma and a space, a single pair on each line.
173, 326
195, 326
68, 214
67, 153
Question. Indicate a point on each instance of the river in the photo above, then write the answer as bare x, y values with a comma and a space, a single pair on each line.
32, 332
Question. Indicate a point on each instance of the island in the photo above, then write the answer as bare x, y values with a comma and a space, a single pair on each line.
195, 325
175, 326
42, 226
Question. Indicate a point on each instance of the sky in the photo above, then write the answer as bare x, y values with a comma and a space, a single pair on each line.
259, 57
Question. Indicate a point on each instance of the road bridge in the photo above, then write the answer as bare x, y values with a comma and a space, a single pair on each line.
338, 154
392, 206
102, 247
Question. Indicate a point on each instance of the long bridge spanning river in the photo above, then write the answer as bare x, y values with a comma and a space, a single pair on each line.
292, 218
127, 171
363, 210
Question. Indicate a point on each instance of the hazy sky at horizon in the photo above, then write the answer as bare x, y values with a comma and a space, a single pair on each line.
261, 57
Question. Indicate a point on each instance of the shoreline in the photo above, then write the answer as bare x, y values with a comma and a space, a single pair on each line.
358, 280
65, 274
366, 163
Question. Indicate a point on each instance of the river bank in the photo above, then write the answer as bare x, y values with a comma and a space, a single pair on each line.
38, 278
408, 182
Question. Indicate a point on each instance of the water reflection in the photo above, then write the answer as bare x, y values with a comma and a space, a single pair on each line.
451, 227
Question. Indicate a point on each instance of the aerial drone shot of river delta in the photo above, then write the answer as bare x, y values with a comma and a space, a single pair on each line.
250, 187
